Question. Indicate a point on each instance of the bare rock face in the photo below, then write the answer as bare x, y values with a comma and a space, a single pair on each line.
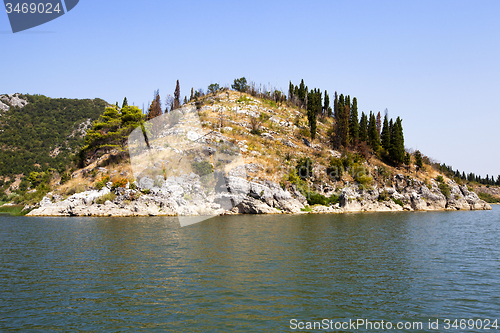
183, 196
254, 206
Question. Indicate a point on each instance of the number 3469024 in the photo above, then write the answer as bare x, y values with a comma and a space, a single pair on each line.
32, 8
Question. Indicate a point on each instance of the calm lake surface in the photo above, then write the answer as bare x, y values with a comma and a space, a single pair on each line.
248, 273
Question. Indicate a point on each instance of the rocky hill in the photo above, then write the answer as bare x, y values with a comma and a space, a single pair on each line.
230, 152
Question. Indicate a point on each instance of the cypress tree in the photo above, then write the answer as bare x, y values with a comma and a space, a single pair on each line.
342, 122
327, 110
386, 135
192, 94
407, 159
379, 123
397, 149
363, 125
312, 108
353, 122
302, 92
155, 107
290, 91
373, 138
125, 102
177, 95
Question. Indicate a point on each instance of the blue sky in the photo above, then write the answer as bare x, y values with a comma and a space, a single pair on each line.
434, 63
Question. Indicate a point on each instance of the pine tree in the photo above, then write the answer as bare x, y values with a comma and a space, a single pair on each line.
379, 123
185, 100
363, 128
192, 94
353, 122
177, 95
125, 102
373, 138
397, 149
386, 135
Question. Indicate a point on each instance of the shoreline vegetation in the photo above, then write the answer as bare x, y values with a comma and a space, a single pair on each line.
267, 151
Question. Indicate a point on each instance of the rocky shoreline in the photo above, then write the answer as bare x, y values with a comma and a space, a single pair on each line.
182, 196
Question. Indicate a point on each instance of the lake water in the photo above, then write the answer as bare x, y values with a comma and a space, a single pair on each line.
249, 273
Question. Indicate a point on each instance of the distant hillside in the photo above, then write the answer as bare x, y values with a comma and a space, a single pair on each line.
38, 132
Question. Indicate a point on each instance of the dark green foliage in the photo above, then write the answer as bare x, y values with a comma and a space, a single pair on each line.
342, 114
111, 131
314, 198
397, 149
304, 167
363, 128
379, 124
240, 85
313, 109
301, 92
29, 135
418, 159
445, 188
373, 138
125, 102
407, 160
353, 122
213, 88
202, 168
327, 110
386, 135
177, 96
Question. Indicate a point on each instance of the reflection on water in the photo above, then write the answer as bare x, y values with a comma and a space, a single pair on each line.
246, 273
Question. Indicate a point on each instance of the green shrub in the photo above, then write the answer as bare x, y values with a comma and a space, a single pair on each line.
101, 182
360, 175
264, 117
146, 191
383, 196
445, 189
306, 209
102, 199
398, 201
314, 198
202, 168
440, 179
